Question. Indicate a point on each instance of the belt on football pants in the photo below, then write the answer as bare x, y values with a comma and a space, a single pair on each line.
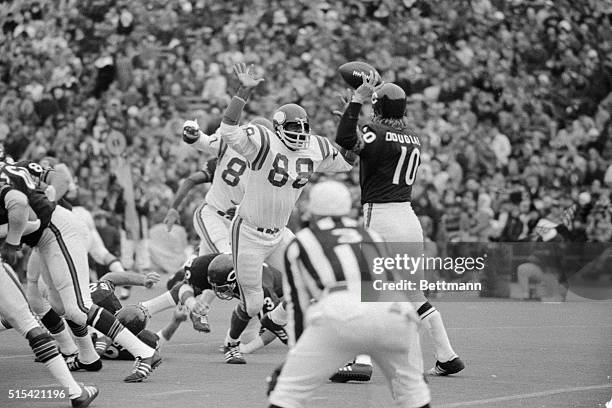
268, 230
337, 288
224, 215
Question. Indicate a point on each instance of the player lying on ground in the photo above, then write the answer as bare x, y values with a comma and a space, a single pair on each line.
64, 266
389, 154
215, 272
327, 262
281, 163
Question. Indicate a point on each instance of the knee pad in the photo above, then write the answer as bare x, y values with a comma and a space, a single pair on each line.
42, 344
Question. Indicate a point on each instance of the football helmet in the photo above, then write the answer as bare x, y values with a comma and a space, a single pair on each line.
389, 101
291, 126
133, 317
222, 277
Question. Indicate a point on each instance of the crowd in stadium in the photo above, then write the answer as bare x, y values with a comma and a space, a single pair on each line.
514, 113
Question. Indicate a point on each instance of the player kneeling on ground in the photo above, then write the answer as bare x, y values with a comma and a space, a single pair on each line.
323, 263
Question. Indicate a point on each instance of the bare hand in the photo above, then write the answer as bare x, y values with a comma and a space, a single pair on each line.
180, 313
365, 90
200, 307
246, 76
171, 218
151, 279
344, 98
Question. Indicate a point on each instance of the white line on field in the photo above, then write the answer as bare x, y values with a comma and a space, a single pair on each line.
525, 396
159, 394
569, 326
16, 356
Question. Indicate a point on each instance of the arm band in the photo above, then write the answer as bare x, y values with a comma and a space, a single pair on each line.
232, 113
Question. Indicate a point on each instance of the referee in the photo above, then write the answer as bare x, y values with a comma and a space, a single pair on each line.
328, 322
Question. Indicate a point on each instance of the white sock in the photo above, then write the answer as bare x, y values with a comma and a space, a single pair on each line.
65, 342
279, 315
59, 370
115, 266
229, 340
162, 339
87, 351
435, 327
363, 359
127, 340
159, 303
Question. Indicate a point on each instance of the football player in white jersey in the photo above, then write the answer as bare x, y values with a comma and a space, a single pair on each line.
281, 163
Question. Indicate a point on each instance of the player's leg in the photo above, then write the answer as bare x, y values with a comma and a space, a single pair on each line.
214, 233
250, 248
398, 225
36, 291
398, 354
16, 313
315, 356
66, 260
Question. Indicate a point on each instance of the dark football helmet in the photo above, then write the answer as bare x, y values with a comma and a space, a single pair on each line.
291, 125
389, 101
222, 277
133, 317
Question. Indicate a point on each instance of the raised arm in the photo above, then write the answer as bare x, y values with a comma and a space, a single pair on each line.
346, 135
193, 136
205, 175
236, 137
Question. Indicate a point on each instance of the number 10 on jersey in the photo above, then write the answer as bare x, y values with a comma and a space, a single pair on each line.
411, 169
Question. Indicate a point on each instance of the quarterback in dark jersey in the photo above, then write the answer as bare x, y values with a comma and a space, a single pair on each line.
389, 154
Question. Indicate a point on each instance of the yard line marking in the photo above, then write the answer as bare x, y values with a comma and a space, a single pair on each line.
16, 356
570, 326
525, 396
159, 394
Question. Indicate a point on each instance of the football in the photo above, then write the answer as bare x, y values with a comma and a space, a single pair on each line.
353, 72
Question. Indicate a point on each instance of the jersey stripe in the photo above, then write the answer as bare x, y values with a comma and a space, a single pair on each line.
297, 291
327, 147
222, 150
349, 262
71, 267
263, 150
320, 266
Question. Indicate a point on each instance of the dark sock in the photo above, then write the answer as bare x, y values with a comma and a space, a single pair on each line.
240, 320
42, 344
77, 329
103, 321
53, 322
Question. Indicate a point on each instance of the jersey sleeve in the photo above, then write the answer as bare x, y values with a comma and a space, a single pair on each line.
207, 143
209, 168
370, 142
332, 161
250, 141
35, 169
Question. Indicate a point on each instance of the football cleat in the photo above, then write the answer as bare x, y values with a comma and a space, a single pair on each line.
353, 372
76, 365
447, 368
88, 394
277, 329
200, 322
143, 368
233, 355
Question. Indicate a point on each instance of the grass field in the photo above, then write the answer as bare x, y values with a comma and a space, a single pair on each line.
518, 354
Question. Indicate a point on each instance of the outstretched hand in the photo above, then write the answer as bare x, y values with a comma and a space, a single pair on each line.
366, 89
344, 98
246, 76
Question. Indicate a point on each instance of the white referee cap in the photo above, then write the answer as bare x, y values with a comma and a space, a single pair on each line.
330, 198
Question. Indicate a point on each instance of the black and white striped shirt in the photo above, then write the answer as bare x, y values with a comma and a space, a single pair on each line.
331, 252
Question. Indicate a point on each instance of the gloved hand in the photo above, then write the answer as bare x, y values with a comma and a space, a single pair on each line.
191, 131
